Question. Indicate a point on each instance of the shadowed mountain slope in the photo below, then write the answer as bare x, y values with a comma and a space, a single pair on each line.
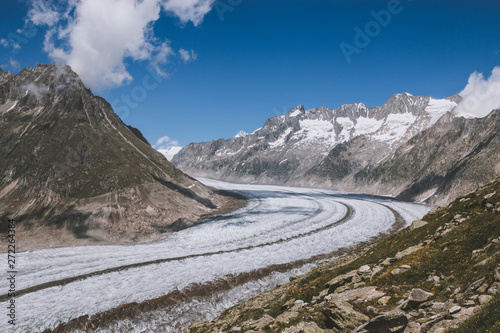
73, 173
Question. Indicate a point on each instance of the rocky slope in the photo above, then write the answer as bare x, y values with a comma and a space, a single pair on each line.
440, 274
453, 157
73, 173
388, 150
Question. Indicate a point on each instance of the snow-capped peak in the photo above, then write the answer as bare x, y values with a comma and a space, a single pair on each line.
170, 152
296, 111
241, 134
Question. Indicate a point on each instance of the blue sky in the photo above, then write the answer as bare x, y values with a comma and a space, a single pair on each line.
204, 70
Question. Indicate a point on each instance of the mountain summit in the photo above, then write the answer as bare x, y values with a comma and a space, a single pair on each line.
72, 172
396, 149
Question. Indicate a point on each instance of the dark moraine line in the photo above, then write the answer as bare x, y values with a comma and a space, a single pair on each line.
65, 281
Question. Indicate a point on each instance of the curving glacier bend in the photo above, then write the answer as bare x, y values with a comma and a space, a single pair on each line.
280, 225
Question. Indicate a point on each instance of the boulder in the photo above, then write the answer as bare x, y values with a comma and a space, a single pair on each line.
465, 313
483, 299
475, 285
365, 269
417, 224
489, 195
413, 327
433, 278
341, 315
497, 274
388, 261
408, 251
286, 316
323, 293
483, 288
469, 302
417, 296
376, 270
440, 307
401, 269
366, 293
339, 281
394, 322
384, 300
494, 288
455, 309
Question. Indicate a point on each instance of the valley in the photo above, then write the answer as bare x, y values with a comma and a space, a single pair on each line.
230, 166
281, 226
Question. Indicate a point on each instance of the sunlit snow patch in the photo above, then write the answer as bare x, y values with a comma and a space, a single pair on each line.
437, 108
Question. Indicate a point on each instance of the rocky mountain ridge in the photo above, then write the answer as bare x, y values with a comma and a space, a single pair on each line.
355, 148
73, 173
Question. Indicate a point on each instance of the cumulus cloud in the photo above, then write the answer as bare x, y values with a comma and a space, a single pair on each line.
480, 96
189, 10
165, 142
97, 37
187, 56
43, 13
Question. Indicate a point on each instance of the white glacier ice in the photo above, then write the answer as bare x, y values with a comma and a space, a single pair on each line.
280, 225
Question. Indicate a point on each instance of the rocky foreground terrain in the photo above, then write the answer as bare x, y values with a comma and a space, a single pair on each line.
73, 173
440, 274
412, 147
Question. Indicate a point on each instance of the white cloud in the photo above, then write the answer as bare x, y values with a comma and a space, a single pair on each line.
34, 89
187, 55
165, 142
189, 10
7, 43
480, 96
14, 64
43, 13
97, 37
161, 58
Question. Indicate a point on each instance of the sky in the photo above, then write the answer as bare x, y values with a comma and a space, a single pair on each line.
196, 70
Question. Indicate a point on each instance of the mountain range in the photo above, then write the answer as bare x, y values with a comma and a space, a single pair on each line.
73, 173
412, 147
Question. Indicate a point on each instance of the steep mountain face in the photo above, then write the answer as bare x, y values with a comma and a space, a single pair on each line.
72, 172
411, 147
453, 157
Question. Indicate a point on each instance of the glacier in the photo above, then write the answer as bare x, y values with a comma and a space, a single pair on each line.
279, 225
